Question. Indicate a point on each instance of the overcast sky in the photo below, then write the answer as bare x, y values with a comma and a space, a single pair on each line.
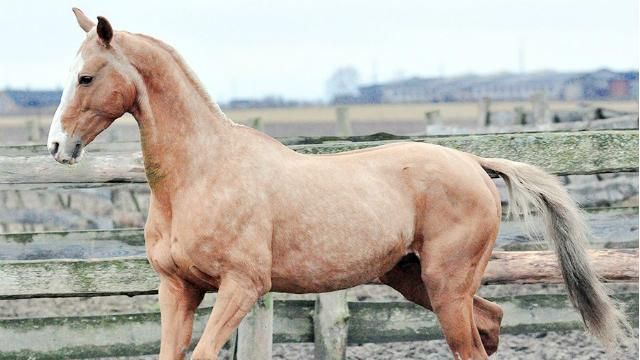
290, 48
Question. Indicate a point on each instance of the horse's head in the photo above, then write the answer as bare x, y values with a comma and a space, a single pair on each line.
99, 89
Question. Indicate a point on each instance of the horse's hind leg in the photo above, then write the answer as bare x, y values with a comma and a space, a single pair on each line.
452, 262
488, 316
406, 278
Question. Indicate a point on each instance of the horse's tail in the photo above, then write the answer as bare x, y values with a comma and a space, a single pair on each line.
532, 191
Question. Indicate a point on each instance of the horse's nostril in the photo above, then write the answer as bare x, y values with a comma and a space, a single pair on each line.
76, 151
54, 149
65, 161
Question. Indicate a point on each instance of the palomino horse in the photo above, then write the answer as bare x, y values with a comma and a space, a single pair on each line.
233, 210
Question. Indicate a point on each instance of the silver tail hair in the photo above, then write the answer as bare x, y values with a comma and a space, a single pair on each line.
532, 191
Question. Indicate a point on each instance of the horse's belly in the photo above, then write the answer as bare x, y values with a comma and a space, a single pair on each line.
340, 228
323, 264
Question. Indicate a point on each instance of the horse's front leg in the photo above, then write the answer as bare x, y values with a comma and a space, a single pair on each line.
234, 300
178, 303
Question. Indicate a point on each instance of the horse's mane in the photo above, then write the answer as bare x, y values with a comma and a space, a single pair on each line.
191, 76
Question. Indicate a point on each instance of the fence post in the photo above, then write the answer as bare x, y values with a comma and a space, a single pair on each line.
255, 333
330, 325
257, 123
540, 109
521, 116
587, 114
484, 112
342, 120
431, 118
33, 128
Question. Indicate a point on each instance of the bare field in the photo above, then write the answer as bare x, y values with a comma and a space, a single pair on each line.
460, 112
453, 113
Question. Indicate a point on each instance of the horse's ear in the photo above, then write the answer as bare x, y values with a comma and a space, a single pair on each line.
85, 23
105, 32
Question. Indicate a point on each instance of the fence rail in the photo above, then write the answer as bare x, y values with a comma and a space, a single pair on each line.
582, 152
293, 322
331, 322
134, 276
612, 228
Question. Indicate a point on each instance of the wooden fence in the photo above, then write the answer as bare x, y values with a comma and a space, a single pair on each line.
331, 322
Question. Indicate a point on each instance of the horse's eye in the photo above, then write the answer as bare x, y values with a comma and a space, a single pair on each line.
85, 80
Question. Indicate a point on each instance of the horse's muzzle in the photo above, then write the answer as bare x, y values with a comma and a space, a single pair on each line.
67, 152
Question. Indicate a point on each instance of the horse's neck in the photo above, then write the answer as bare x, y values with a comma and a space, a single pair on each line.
179, 128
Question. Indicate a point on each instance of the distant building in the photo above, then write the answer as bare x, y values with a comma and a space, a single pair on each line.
598, 85
606, 84
28, 102
265, 102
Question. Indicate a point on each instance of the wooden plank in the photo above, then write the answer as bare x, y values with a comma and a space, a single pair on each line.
22, 150
612, 228
584, 152
255, 333
139, 334
66, 186
65, 278
402, 321
133, 275
609, 226
87, 336
343, 123
78, 244
94, 168
530, 267
95, 148
331, 326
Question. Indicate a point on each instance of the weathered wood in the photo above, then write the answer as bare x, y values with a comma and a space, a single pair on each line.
87, 336
623, 122
133, 276
432, 118
342, 121
78, 244
139, 334
94, 149
100, 168
609, 226
484, 112
255, 333
529, 267
586, 152
257, 123
541, 111
612, 228
306, 140
66, 278
66, 186
33, 129
331, 326
388, 322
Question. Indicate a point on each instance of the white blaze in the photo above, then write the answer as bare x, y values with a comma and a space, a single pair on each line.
56, 133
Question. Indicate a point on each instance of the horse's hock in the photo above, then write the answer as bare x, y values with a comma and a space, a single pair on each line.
39, 264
